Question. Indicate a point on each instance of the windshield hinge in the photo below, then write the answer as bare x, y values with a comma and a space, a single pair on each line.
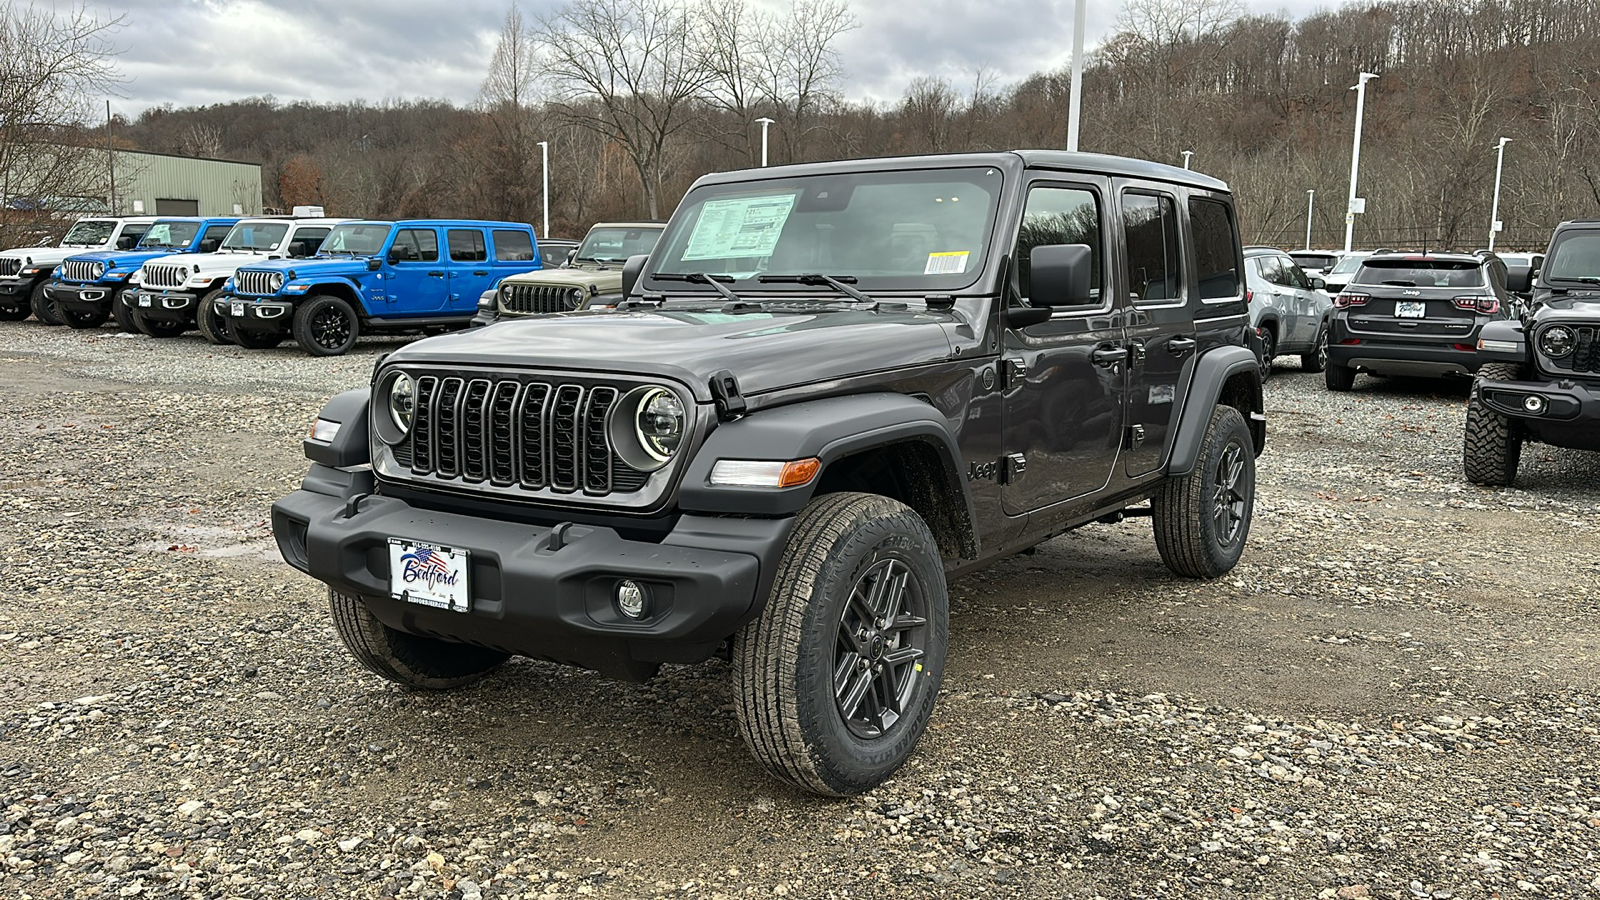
725, 391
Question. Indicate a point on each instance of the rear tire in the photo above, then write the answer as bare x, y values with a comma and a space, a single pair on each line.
1269, 352
213, 326
1202, 520
416, 662
326, 326
1339, 378
122, 313
43, 308
1317, 359
1491, 447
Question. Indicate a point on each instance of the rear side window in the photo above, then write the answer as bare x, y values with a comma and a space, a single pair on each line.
1452, 273
1575, 258
1060, 215
1216, 249
466, 245
1155, 269
513, 246
415, 245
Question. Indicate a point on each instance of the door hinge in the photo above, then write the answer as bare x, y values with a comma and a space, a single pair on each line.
1135, 436
1135, 354
1013, 372
1012, 465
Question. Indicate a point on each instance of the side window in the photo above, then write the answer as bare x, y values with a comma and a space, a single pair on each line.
306, 241
1060, 215
1292, 275
511, 246
1150, 225
415, 245
466, 245
1216, 249
213, 238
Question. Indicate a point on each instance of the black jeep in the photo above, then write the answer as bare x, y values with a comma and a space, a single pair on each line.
831, 388
1540, 379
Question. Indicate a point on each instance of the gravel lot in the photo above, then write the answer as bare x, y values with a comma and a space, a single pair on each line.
1394, 695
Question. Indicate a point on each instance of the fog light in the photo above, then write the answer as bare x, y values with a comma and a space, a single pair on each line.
632, 598
1533, 404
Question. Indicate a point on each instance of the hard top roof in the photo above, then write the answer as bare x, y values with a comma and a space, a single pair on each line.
471, 223
1451, 255
640, 223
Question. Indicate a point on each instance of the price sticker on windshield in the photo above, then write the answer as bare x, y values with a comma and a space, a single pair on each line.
946, 263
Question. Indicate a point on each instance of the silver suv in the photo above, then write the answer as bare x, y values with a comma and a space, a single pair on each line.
1288, 309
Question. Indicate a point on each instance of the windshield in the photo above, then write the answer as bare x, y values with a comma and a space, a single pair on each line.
255, 236
89, 233
355, 240
1347, 265
1451, 273
169, 235
1576, 258
923, 230
617, 244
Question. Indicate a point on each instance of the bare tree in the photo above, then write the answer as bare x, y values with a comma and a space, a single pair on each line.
504, 156
799, 66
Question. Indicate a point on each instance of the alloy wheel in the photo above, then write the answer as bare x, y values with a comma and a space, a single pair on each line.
882, 638
1230, 501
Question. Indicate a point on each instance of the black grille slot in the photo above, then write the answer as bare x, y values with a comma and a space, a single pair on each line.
564, 437
536, 298
9, 267
422, 437
447, 428
474, 437
502, 437
596, 451
535, 398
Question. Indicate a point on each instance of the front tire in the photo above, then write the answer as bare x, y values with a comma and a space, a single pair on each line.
85, 319
157, 328
406, 659
255, 340
213, 326
1491, 448
835, 681
122, 313
326, 326
1201, 520
44, 309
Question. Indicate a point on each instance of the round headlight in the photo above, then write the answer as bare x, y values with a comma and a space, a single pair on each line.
97, 270
1557, 341
402, 401
574, 297
646, 427
275, 282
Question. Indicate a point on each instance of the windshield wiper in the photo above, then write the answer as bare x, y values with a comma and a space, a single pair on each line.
1401, 283
840, 283
1584, 279
701, 278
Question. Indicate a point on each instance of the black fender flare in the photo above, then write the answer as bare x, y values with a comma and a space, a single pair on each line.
1212, 372
828, 429
1497, 336
349, 444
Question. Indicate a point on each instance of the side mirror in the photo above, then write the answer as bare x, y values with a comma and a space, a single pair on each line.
1317, 284
631, 270
374, 263
571, 255
1058, 275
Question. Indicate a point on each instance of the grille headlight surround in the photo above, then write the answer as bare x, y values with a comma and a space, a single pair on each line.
96, 270
1557, 341
647, 427
398, 393
275, 282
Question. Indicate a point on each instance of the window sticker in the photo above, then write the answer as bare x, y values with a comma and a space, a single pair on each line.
739, 226
952, 262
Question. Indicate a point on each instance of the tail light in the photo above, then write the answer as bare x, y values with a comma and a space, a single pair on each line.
1347, 299
1249, 296
1487, 305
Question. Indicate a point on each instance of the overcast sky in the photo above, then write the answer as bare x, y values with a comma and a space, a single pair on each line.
196, 52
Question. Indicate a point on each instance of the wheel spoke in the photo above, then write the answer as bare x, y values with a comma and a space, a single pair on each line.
889, 689
903, 622
856, 690
900, 656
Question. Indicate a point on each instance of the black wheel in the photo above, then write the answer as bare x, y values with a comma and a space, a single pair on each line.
1202, 519
1338, 378
87, 318
1491, 449
122, 312
416, 662
14, 313
326, 326
158, 328
44, 309
255, 340
1269, 352
835, 681
1317, 359
212, 324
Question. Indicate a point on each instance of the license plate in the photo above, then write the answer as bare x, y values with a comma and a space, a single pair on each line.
1410, 309
238, 310
428, 575
144, 300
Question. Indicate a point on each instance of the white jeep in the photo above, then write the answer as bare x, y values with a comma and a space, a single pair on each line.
25, 270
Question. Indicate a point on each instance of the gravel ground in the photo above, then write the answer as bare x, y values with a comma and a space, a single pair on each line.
1394, 695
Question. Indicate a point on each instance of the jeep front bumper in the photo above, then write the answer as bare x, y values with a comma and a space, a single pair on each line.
1564, 413
84, 297
174, 305
256, 315
705, 579
15, 288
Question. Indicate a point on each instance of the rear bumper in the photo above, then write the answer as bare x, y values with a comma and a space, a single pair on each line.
1566, 414
705, 579
1393, 357
82, 297
177, 306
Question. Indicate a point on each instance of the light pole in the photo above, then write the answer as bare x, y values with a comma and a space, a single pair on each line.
1076, 100
1494, 214
1355, 158
1311, 203
765, 123
1186, 155
544, 193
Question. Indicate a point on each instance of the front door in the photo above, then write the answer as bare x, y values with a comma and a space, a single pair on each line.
1064, 379
414, 274
1161, 334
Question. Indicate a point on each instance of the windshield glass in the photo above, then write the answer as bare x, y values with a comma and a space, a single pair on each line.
89, 233
1347, 265
169, 235
1577, 257
1451, 273
356, 240
924, 230
617, 244
257, 236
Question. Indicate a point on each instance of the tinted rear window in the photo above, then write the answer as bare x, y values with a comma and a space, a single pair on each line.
1421, 273
512, 246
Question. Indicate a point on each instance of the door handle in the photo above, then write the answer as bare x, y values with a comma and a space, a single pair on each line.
1180, 346
436, 274
480, 272
1109, 356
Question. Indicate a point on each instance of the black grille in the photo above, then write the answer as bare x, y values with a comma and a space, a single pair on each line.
164, 276
80, 270
1585, 355
537, 298
508, 432
9, 267
246, 281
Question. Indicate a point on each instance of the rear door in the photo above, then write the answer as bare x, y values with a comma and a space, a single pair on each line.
469, 273
1161, 335
415, 273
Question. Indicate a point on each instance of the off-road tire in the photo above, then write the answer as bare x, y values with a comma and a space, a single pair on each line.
255, 340
317, 327
1491, 448
43, 308
1194, 535
1269, 352
1317, 359
85, 319
157, 328
15, 313
1339, 378
123, 314
407, 659
784, 662
213, 326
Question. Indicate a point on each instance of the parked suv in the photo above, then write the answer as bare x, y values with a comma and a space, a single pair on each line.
1415, 314
25, 271
173, 288
1315, 262
1287, 309
86, 285
408, 276
1540, 377
590, 276
830, 388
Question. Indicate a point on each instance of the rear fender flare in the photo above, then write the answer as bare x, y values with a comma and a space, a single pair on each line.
1226, 375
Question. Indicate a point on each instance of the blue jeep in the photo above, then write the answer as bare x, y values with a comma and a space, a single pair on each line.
415, 275
85, 285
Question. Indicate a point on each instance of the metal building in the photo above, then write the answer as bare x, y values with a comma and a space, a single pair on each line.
167, 185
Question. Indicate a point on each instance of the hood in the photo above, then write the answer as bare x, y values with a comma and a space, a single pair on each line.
602, 279
1580, 303
125, 259
211, 262
46, 256
316, 267
766, 349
